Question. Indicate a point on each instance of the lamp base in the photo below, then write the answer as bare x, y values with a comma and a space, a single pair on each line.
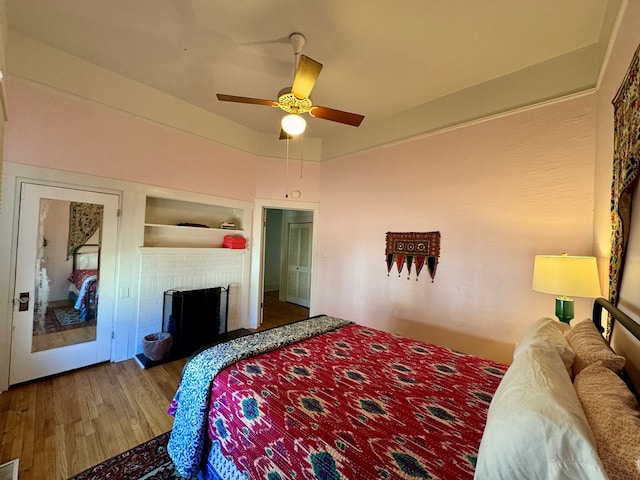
564, 309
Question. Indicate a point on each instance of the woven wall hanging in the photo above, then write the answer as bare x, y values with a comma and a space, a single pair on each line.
626, 171
413, 248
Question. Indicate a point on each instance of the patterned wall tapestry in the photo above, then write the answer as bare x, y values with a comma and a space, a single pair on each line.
413, 249
626, 161
84, 220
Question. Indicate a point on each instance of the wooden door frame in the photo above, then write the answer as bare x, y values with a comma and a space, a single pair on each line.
257, 252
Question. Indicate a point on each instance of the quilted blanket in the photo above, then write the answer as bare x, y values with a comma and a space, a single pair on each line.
190, 403
353, 403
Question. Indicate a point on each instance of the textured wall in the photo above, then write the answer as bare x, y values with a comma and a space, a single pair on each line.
500, 192
55, 130
626, 42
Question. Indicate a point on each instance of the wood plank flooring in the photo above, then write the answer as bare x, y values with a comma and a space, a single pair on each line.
277, 312
61, 339
62, 425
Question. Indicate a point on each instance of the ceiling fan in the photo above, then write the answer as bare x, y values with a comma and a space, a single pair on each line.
295, 100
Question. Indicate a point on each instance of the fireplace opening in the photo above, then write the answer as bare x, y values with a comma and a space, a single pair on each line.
194, 318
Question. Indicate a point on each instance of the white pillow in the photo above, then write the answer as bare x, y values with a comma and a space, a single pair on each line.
543, 332
87, 261
536, 428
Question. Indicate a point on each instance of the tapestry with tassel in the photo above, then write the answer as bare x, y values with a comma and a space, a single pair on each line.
84, 220
626, 169
413, 249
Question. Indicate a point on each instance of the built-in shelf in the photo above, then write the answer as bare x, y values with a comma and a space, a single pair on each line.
163, 218
229, 231
188, 250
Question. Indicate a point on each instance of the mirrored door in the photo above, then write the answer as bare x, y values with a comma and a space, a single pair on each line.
65, 277
67, 273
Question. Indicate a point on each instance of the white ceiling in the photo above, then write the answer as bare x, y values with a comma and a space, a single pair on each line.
382, 59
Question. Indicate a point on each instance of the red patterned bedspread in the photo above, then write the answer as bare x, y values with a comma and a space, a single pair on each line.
78, 277
355, 403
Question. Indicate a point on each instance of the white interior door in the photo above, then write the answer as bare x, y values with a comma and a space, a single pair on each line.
299, 264
43, 345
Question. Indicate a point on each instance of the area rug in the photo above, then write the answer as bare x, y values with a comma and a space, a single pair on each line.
148, 461
67, 315
59, 316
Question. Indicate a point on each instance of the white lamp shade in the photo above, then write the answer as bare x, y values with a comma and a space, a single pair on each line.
293, 124
566, 276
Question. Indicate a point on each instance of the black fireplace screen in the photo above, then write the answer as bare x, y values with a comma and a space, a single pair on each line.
194, 318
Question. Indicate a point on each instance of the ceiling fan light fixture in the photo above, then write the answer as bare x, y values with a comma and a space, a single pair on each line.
296, 99
293, 124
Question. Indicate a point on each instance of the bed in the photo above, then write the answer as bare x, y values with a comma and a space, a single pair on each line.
83, 280
327, 398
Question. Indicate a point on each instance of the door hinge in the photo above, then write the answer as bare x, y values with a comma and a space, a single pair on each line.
113, 335
119, 213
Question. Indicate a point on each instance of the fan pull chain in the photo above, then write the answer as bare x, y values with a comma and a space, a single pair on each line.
301, 153
286, 194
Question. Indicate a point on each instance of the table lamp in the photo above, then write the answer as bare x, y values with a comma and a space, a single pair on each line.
566, 276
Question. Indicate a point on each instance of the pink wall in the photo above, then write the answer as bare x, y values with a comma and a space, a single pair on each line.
275, 179
626, 42
78, 136
54, 130
499, 192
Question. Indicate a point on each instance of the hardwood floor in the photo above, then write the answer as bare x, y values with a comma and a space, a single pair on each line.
50, 335
61, 339
62, 425
278, 313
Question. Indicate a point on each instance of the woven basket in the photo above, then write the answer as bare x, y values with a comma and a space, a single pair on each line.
156, 346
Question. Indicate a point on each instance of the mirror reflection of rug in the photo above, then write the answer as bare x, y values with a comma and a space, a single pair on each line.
67, 315
60, 316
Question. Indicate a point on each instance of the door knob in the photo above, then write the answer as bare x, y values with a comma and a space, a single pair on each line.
23, 302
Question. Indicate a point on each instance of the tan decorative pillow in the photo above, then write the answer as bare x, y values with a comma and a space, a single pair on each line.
614, 417
590, 347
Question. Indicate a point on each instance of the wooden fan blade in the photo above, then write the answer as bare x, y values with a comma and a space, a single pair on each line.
254, 101
337, 116
306, 76
284, 135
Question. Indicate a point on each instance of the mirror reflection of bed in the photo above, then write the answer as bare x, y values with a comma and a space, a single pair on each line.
65, 306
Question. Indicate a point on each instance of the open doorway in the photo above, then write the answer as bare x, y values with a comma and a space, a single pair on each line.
287, 266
